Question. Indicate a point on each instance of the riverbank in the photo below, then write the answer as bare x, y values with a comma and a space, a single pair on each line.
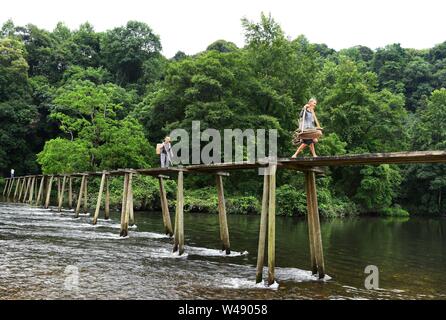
291, 200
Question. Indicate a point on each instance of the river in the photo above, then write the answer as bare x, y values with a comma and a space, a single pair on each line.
50, 255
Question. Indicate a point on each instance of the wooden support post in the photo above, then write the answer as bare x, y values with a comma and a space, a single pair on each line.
10, 182
79, 200
58, 190
310, 219
11, 185
98, 204
262, 231
224, 232
36, 187
16, 189
124, 228
107, 198
24, 189
165, 208
31, 191
25, 185
70, 192
48, 192
175, 230
272, 224
130, 208
39, 195
22, 186
6, 186
179, 222
86, 195
62, 192
313, 211
28, 184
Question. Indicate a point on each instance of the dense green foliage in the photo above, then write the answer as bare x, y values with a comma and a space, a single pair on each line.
78, 100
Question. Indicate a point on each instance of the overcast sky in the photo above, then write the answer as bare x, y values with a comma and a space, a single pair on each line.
191, 25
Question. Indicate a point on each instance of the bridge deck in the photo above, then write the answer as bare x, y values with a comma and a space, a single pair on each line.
301, 164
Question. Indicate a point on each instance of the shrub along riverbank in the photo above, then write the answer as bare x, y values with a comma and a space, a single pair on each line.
291, 201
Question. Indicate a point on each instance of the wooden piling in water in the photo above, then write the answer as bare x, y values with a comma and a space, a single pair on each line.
86, 194
58, 191
22, 189
101, 191
6, 186
70, 192
31, 191
11, 185
79, 200
179, 218
315, 228
107, 198
36, 187
40, 193
16, 190
62, 193
310, 219
48, 192
10, 182
124, 227
224, 232
28, 184
165, 208
262, 231
22, 186
131, 213
272, 224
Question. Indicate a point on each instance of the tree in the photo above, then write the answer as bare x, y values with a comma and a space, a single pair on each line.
367, 120
65, 156
8, 29
89, 114
125, 146
86, 47
180, 55
425, 184
17, 129
378, 187
125, 49
13, 70
222, 46
389, 64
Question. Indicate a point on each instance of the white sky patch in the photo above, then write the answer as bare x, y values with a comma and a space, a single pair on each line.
191, 25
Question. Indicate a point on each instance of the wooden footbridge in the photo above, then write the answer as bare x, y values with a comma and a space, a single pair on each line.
36, 190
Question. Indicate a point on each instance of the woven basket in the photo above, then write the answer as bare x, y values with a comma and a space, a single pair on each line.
306, 134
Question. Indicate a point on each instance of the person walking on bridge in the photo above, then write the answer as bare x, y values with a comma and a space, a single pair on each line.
12, 173
309, 128
166, 153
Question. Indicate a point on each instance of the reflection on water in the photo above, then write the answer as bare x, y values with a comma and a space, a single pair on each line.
37, 245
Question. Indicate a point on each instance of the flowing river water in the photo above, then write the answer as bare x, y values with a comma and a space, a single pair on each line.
49, 255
